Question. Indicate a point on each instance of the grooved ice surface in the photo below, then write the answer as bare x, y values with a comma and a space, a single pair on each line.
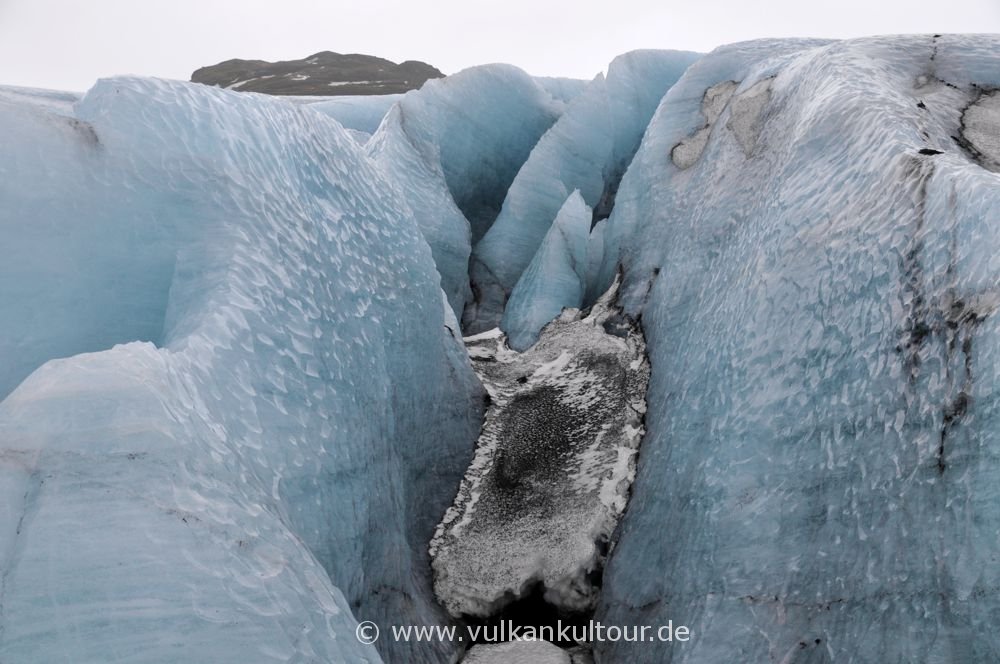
820, 480
588, 150
453, 147
279, 458
556, 278
552, 467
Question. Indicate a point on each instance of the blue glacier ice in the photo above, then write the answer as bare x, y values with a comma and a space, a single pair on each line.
809, 233
595, 260
235, 399
563, 89
588, 150
453, 148
259, 413
555, 279
361, 114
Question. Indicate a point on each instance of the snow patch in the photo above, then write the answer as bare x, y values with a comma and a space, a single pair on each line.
240, 84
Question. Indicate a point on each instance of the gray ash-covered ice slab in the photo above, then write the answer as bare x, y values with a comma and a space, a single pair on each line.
321, 74
687, 152
552, 468
517, 652
981, 130
746, 115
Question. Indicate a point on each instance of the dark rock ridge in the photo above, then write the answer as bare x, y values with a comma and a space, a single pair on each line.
322, 74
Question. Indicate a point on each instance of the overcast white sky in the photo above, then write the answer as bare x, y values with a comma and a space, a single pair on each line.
67, 44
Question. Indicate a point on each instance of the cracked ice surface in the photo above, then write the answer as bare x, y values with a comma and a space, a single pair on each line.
552, 468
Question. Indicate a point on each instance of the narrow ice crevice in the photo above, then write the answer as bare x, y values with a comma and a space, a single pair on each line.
552, 469
588, 149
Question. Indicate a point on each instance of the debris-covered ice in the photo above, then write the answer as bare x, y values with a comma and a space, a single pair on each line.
517, 652
552, 469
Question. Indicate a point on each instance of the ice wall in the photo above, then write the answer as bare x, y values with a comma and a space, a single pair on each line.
817, 279
276, 460
453, 147
588, 149
555, 279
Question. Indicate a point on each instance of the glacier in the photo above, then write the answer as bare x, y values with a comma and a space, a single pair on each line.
808, 235
453, 148
237, 414
256, 421
588, 150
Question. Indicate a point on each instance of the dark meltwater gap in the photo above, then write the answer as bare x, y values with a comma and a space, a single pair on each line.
525, 541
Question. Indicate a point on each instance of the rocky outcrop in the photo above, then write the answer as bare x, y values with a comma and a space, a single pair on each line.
322, 74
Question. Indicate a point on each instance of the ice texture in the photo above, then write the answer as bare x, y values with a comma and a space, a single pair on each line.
555, 279
453, 148
362, 114
267, 464
55, 101
818, 286
234, 400
563, 89
588, 149
552, 466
